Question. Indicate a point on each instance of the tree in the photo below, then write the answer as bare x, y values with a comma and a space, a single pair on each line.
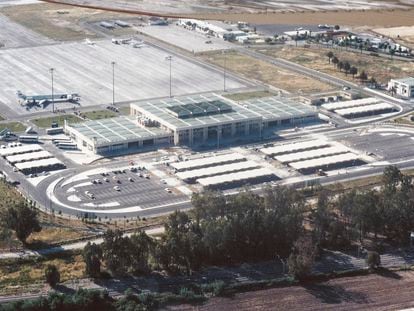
141, 248
347, 67
335, 61
336, 27
92, 255
116, 251
52, 275
363, 76
23, 220
392, 52
302, 258
322, 216
330, 54
353, 71
340, 65
373, 260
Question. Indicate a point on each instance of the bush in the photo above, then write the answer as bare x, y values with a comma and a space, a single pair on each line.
216, 288
373, 260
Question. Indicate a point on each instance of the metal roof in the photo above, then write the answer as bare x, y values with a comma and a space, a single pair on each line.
43, 154
362, 109
311, 154
208, 161
199, 109
19, 149
217, 170
38, 163
233, 177
351, 103
314, 163
116, 130
294, 147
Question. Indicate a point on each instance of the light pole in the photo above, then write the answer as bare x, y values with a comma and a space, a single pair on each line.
169, 58
224, 71
113, 83
51, 70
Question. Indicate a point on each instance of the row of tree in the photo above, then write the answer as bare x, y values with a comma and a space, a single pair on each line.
347, 67
219, 230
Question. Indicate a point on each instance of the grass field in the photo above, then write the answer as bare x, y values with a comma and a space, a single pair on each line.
60, 119
99, 114
266, 73
15, 127
382, 69
248, 95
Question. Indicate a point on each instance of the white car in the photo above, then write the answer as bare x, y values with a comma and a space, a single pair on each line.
168, 190
117, 188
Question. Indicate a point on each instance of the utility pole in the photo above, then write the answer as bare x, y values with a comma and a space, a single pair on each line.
51, 70
169, 58
113, 83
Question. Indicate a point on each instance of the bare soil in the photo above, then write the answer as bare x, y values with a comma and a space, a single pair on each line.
387, 291
381, 68
266, 73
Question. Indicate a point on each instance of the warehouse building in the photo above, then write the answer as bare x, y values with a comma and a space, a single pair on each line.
188, 120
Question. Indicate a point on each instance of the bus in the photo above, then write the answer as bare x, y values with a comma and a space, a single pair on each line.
54, 130
29, 139
56, 141
67, 146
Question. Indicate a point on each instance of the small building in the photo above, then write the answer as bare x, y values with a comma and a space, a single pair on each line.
402, 87
107, 25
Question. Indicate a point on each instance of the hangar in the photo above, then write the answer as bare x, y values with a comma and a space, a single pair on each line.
188, 120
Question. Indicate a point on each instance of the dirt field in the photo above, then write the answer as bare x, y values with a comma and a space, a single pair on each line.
266, 73
382, 69
390, 291
403, 35
61, 22
378, 18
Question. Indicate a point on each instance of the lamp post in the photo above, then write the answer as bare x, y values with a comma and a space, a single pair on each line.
51, 70
224, 71
169, 58
113, 83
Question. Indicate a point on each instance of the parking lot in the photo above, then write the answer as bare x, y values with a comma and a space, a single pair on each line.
140, 73
109, 191
189, 40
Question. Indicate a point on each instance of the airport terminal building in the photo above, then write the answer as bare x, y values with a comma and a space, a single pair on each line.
188, 120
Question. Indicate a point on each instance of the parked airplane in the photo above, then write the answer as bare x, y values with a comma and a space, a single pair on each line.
44, 100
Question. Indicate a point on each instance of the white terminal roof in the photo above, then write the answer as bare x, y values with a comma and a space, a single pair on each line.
351, 103
208, 161
216, 170
293, 147
43, 154
233, 177
38, 163
314, 163
311, 154
362, 109
19, 149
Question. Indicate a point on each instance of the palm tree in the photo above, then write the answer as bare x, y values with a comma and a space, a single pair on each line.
330, 54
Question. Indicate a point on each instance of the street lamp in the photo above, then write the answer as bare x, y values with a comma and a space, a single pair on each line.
113, 83
224, 71
51, 70
169, 58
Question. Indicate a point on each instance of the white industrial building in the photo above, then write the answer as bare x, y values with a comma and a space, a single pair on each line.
402, 87
188, 120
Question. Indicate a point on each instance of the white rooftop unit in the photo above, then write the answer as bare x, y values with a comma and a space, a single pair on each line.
208, 161
43, 154
38, 164
363, 109
216, 170
234, 177
19, 149
351, 103
294, 147
314, 163
311, 154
